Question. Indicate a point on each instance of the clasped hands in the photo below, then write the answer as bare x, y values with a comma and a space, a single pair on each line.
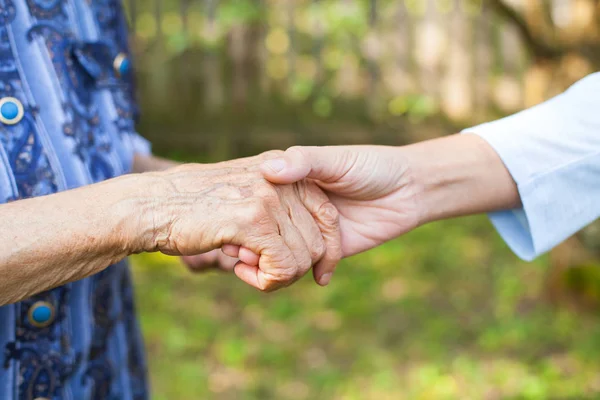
279, 214
278, 232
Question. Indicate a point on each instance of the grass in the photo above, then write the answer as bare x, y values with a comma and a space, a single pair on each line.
446, 312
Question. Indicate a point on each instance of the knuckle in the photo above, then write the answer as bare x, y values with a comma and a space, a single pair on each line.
287, 268
276, 279
328, 214
255, 213
258, 210
287, 275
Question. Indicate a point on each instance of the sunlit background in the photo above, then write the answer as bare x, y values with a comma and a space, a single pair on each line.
446, 312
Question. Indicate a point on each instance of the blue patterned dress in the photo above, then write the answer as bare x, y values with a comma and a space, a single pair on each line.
67, 120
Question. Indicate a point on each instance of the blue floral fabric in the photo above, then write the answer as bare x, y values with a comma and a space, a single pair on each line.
58, 59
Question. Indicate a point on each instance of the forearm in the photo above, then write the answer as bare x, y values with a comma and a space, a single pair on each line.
144, 163
458, 175
52, 240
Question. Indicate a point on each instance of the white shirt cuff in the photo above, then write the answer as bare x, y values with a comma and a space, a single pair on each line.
552, 152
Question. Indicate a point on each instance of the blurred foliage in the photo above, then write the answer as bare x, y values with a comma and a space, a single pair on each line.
446, 312
210, 69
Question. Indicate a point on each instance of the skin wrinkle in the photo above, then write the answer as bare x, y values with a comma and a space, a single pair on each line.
188, 209
269, 195
328, 213
298, 217
282, 221
299, 248
351, 165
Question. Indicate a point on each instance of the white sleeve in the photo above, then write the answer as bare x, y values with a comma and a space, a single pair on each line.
552, 152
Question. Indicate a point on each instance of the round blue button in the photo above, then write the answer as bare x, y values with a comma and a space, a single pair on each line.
124, 67
11, 110
41, 314
121, 64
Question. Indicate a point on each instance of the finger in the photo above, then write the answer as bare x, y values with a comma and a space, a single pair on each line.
255, 277
277, 263
231, 250
225, 262
295, 242
304, 222
247, 273
326, 217
244, 254
247, 256
326, 164
328, 221
266, 230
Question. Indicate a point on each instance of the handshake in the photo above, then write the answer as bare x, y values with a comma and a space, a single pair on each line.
282, 213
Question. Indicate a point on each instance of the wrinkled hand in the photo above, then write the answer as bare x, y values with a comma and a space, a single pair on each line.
282, 229
369, 185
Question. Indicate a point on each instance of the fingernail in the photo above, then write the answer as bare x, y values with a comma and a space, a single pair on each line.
277, 165
325, 278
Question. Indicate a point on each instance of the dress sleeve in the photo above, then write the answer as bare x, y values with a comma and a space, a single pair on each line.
552, 152
140, 145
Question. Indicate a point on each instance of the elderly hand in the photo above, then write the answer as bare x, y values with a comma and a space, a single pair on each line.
284, 229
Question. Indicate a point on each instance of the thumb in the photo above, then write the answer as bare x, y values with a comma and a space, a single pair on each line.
299, 162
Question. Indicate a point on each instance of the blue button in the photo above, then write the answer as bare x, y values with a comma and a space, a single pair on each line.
121, 64
124, 67
41, 314
11, 110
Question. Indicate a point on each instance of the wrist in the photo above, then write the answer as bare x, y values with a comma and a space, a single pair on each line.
137, 221
458, 175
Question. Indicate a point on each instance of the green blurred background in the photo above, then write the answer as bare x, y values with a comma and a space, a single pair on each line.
446, 312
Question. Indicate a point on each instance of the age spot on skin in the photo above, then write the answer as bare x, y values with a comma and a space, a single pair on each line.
246, 191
